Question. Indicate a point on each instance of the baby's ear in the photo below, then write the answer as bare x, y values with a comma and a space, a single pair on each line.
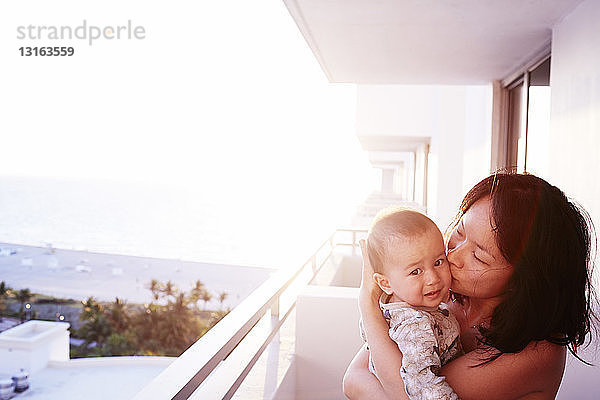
383, 282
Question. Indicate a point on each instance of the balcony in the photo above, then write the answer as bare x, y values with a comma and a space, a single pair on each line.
293, 338
268, 346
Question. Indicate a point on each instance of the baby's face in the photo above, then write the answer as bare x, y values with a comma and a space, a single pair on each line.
417, 269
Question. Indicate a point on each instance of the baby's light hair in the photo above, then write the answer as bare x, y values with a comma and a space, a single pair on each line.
390, 224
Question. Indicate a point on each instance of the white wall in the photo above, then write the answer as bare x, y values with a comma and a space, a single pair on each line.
574, 145
580, 381
327, 338
456, 118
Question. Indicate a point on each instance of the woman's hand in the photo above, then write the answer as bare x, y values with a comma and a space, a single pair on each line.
370, 292
384, 351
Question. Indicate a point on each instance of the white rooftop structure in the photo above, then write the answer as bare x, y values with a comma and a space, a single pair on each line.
33, 345
41, 348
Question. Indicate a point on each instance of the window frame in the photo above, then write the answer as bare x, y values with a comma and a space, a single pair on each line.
510, 115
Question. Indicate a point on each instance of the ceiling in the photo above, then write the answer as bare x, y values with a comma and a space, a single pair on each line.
426, 41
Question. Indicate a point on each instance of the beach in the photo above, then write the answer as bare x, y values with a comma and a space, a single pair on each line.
79, 274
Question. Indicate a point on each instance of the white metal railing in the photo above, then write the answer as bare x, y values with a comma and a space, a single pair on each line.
215, 366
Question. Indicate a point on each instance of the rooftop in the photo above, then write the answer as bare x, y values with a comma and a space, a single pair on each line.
94, 378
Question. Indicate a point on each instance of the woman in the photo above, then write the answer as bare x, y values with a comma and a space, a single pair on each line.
519, 254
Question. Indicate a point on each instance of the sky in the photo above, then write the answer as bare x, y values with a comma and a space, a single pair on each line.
222, 97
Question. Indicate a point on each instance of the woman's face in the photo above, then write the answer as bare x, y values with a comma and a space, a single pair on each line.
478, 268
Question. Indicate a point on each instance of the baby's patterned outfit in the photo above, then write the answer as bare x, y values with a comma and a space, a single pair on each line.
428, 338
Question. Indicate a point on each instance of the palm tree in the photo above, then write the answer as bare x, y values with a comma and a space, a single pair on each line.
3, 292
181, 304
91, 308
196, 293
96, 330
222, 297
96, 327
118, 315
169, 289
198, 285
206, 297
155, 288
23, 296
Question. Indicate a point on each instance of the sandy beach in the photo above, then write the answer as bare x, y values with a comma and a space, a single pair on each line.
80, 274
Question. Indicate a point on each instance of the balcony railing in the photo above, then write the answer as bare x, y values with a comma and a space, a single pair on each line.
216, 365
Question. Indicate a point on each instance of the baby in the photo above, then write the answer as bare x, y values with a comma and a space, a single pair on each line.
407, 253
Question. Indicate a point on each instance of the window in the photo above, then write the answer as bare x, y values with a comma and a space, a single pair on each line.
521, 120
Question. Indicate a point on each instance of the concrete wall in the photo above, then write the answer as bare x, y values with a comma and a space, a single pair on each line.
327, 339
456, 118
580, 381
574, 144
348, 274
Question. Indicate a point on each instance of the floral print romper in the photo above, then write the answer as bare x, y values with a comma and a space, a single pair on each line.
428, 338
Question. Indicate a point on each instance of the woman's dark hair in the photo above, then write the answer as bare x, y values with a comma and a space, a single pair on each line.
548, 240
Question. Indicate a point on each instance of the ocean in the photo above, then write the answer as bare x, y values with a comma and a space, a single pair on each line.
230, 243
161, 221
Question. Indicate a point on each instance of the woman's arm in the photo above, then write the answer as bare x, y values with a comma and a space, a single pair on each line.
534, 373
384, 352
359, 383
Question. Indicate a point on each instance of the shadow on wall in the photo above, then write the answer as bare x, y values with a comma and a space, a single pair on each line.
348, 273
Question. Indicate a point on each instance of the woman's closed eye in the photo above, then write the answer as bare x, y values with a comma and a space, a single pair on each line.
416, 271
455, 237
460, 228
478, 259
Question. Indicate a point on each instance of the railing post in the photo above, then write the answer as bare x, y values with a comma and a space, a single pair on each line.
353, 243
275, 308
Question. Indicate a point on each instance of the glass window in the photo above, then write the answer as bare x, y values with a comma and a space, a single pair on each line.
538, 120
528, 120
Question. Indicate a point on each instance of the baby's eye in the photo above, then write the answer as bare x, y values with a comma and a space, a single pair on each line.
439, 262
416, 271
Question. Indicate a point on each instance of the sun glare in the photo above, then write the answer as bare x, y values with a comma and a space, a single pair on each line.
223, 99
